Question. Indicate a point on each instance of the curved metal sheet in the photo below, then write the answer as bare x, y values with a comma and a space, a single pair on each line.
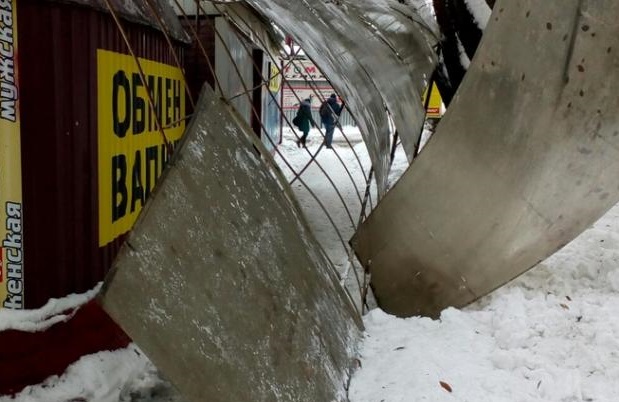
221, 283
375, 54
524, 160
403, 74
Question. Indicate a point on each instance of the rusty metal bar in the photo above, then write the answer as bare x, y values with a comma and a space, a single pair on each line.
165, 32
256, 114
318, 95
197, 38
151, 103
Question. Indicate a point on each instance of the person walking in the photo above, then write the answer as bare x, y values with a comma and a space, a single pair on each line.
329, 112
304, 120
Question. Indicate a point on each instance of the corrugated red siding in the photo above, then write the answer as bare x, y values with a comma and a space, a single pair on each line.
58, 76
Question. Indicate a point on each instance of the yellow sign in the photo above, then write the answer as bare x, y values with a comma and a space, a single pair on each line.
435, 105
11, 211
276, 78
132, 152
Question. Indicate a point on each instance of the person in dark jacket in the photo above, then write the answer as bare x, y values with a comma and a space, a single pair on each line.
329, 111
305, 120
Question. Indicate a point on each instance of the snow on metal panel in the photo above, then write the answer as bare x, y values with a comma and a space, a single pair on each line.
374, 55
523, 161
229, 296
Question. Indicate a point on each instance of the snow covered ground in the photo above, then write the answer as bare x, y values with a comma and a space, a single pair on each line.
551, 335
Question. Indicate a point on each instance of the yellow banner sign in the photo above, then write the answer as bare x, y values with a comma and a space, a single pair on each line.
132, 152
11, 212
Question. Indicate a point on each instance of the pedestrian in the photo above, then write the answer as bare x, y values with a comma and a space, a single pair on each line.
304, 120
329, 112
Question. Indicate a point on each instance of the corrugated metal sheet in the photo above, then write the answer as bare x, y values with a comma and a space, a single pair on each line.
139, 11
58, 72
228, 53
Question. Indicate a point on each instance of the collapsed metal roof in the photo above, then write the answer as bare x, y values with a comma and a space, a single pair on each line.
378, 55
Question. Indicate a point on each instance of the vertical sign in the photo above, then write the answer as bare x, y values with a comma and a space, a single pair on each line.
435, 106
11, 212
275, 78
132, 153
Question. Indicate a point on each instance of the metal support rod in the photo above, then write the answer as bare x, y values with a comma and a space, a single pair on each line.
305, 185
197, 38
258, 117
166, 34
318, 95
247, 93
317, 199
151, 103
367, 195
281, 111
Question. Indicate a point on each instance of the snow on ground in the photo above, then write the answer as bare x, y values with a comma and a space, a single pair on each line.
124, 375
344, 168
551, 335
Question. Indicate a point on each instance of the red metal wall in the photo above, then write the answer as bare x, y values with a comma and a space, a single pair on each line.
58, 77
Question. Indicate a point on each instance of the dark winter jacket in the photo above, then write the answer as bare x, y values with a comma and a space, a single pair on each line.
305, 116
336, 108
